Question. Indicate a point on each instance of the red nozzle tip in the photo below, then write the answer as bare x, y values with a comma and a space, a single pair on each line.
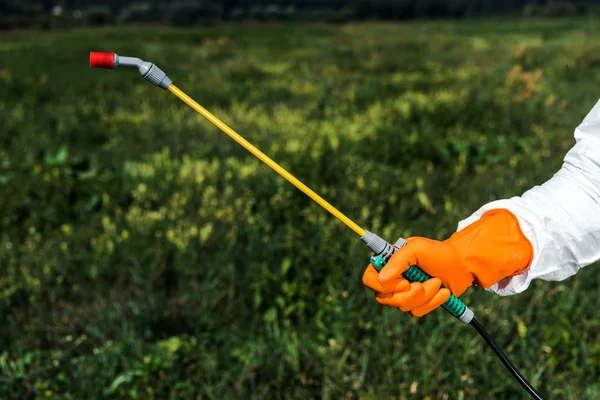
99, 59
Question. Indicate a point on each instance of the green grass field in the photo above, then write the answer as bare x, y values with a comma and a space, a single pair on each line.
145, 255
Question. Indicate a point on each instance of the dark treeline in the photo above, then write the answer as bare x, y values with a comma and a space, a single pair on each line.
55, 13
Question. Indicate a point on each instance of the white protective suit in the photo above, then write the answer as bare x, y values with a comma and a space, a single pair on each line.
561, 218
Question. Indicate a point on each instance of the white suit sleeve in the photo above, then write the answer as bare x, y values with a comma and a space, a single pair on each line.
561, 218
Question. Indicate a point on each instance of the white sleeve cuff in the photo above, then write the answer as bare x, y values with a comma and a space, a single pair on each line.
561, 219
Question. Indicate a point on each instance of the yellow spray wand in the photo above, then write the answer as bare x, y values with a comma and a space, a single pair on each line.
264, 158
382, 249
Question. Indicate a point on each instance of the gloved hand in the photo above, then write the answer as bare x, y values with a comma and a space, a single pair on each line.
483, 253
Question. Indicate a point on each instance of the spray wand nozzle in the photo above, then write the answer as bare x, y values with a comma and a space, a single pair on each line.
148, 70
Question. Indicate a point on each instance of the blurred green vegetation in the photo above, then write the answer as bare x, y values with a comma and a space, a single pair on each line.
145, 255
68, 14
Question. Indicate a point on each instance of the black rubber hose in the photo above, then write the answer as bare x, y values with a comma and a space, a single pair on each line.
488, 338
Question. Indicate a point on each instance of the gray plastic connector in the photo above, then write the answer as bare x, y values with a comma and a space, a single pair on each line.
377, 245
400, 243
467, 316
157, 77
147, 70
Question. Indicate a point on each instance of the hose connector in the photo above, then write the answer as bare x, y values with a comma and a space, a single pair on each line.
147, 70
378, 246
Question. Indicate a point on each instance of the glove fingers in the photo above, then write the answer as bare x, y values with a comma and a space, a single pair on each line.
416, 300
431, 286
371, 280
438, 299
429, 289
418, 295
413, 297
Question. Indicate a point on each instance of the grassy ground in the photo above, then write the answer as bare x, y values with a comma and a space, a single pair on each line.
143, 254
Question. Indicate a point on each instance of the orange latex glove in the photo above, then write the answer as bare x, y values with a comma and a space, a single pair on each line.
483, 253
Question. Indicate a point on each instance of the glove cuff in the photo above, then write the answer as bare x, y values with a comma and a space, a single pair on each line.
493, 248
